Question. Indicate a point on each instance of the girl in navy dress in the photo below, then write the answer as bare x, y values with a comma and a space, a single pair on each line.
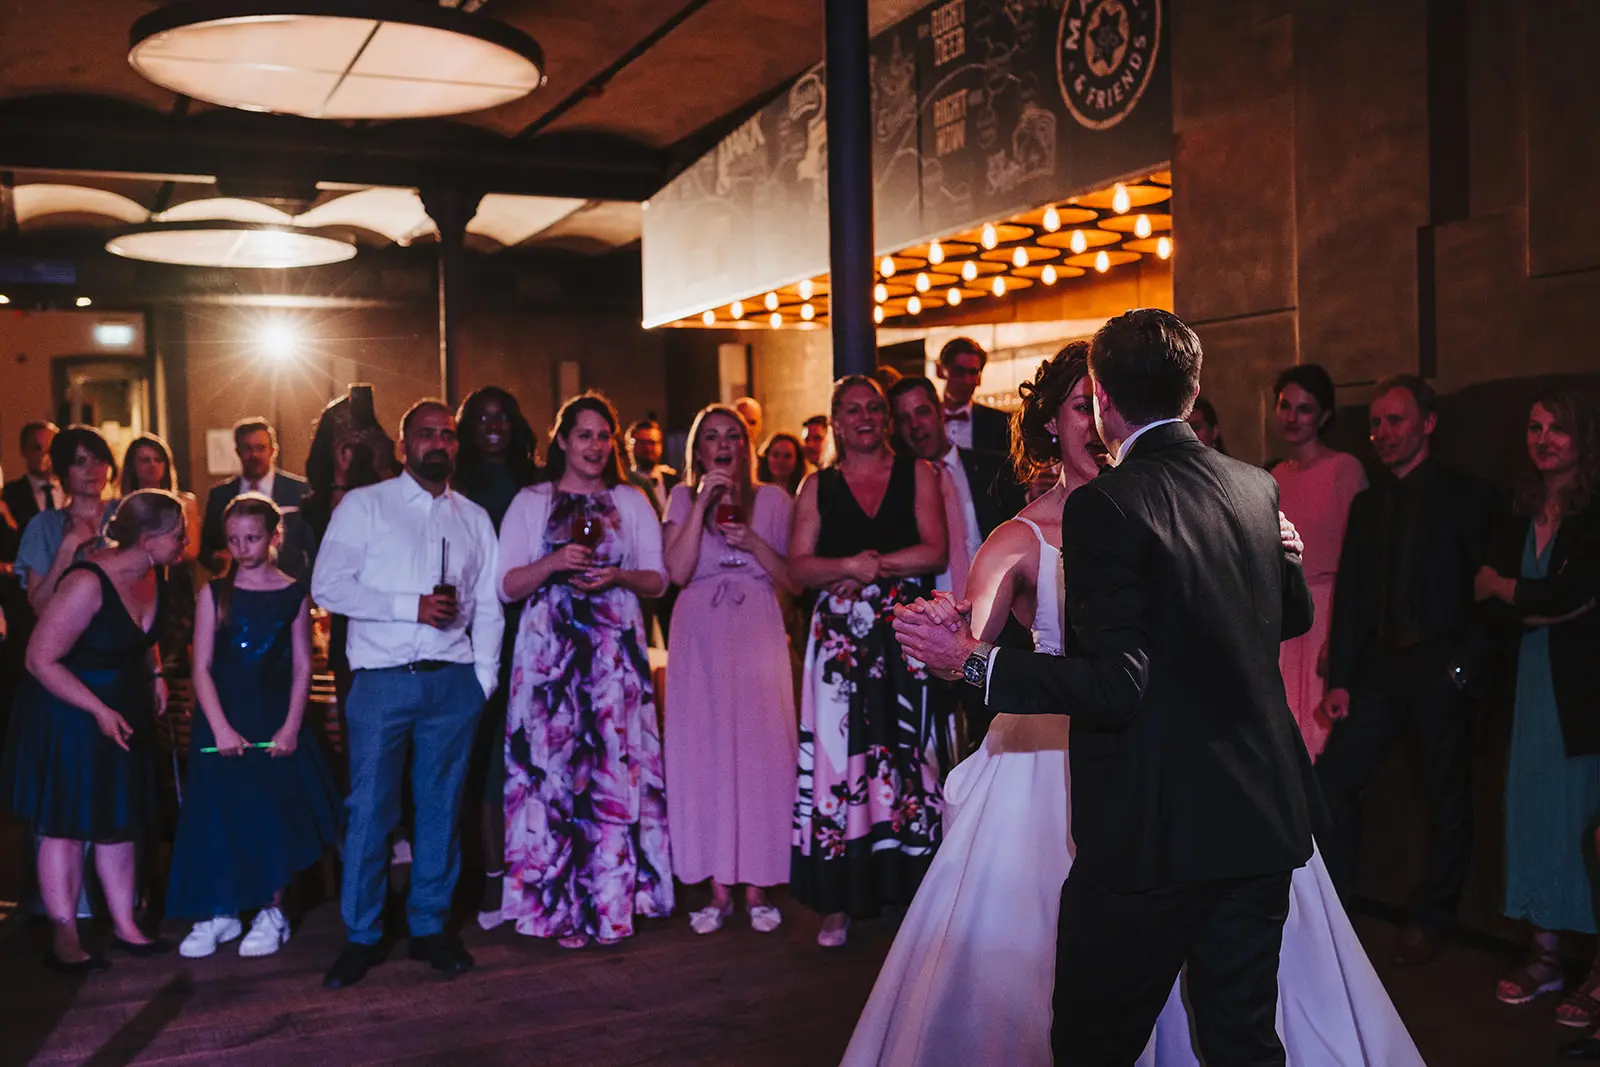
259, 804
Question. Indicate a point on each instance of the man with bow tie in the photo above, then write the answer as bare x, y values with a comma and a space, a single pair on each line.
974, 426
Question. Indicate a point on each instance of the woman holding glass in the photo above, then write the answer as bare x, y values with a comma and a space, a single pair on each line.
586, 831
868, 533
731, 746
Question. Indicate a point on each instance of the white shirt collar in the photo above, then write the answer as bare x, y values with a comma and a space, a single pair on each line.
412, 489
1122, 449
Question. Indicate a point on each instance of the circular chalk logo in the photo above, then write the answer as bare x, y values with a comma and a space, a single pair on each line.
1105, 53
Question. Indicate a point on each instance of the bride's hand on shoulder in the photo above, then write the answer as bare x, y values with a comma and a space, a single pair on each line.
1290, 536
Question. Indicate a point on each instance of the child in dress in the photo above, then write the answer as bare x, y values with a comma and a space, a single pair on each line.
259, 805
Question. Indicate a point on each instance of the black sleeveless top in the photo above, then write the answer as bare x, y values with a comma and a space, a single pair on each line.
847, 530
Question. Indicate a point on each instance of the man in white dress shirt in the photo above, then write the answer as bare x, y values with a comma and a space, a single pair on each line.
412, 564
970, 424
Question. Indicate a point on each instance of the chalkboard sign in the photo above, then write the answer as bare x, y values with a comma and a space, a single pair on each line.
981, 109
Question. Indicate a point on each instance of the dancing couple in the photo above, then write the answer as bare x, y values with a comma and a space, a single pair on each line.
1184, 849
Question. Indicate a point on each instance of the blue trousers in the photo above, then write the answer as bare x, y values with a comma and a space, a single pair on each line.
433, 715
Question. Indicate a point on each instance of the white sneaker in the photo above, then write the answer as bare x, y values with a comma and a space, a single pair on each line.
204, 937
268, 934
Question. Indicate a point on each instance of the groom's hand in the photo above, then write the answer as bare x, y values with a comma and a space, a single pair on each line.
1290, 536
942, 649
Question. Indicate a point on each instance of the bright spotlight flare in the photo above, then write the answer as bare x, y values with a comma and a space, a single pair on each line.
279, 340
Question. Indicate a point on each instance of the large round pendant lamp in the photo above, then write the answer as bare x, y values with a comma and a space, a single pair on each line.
335, 59
215, 243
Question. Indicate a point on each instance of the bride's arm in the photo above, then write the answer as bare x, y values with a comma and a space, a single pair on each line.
999, 578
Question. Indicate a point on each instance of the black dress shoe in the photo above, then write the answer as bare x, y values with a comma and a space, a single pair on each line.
442, 952
352, 965
158, 947
79, 968
1587, 1049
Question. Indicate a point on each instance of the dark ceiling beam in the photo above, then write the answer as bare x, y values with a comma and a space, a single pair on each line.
259, 148
597, 84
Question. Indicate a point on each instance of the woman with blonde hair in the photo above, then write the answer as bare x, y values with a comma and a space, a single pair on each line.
79, 765
730, 744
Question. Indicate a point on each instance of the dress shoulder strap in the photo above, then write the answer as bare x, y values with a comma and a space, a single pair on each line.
1036, 531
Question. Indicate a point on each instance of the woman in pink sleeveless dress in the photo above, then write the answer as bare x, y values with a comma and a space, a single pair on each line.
731, 747
1316, 484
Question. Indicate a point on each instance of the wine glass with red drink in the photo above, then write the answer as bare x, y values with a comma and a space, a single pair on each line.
729, 513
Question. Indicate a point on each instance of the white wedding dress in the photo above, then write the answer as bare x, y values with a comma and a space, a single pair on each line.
969, 977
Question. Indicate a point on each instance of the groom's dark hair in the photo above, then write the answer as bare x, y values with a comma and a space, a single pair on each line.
1148, 362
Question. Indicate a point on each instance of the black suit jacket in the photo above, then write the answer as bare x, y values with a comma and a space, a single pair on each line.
1571, 582
991, 430
1449, 547
299, 549
996, 496
18, 495
1187, 765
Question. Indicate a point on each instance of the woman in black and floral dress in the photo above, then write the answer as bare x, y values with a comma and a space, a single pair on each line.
874, 743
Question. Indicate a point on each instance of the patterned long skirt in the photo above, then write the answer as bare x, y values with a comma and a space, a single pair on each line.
586, 826
876, 737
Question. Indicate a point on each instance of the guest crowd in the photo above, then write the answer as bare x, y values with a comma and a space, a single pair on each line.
494, 625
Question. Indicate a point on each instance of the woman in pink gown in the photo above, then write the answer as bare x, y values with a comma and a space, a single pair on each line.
731, 747
1316, 485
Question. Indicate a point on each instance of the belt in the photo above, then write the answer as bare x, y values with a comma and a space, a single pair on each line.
421, 666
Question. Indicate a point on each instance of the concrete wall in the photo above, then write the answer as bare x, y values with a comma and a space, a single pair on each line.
1383, 186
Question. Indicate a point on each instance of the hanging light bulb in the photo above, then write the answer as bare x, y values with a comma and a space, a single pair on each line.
914, 306
886, 268
1102, 262
999, 286
924, 283
877, 314
1052, 219
1048, 275
880, 292
989, 238
969, 270
936, 253
772, 301
953, 297
1078, 242
1120, 203
708, 316
807, 288
1141, 226
807, 312
1164, 247
736, 309
1019, 258
776, 320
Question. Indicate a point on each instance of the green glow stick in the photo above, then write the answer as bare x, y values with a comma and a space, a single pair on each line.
248, 744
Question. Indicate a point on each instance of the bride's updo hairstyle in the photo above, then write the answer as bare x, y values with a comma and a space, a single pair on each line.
1033, 448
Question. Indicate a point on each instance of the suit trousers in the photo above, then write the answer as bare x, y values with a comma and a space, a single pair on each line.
1392, 693
1117, 955
432, 716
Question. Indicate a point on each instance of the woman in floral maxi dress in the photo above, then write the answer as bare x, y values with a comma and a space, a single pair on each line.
868, 533
586, 832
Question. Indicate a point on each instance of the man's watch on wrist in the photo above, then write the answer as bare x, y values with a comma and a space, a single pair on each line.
976, 669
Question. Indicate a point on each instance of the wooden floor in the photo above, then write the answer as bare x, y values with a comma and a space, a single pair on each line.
667, 997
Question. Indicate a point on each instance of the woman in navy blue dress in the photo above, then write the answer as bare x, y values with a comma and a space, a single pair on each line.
260, 804
79, 764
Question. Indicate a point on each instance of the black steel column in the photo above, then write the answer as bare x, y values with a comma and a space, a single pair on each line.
451, 210
850, 253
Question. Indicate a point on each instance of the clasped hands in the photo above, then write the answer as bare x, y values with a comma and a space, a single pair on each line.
937, 633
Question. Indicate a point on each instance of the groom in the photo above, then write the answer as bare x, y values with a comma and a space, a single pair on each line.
1192, 794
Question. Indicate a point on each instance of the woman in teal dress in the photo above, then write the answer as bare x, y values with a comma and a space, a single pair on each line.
1543, 580
79, 763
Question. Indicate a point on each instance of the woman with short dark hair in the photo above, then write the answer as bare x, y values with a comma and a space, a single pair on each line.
83, 464
1316, 485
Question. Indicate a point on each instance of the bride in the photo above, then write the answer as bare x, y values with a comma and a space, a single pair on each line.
969, 977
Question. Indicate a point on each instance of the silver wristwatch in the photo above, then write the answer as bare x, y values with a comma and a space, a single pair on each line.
976, 669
